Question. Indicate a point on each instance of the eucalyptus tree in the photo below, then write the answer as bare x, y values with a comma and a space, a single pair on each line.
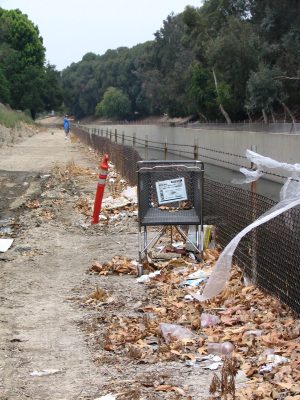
115, 104
278, 24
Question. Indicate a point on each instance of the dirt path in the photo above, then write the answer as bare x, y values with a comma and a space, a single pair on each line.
44, 285
39, 327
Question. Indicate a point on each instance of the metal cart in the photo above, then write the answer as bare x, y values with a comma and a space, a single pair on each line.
170, 194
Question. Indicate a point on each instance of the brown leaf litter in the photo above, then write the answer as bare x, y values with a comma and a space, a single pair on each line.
261, 328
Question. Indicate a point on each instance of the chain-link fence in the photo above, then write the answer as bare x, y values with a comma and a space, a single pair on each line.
125, 158
269, 254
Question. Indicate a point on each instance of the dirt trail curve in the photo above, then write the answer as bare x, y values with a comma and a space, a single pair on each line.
39, 326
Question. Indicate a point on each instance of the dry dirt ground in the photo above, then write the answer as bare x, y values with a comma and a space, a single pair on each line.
45, 321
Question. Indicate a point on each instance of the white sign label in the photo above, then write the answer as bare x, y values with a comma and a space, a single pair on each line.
171, 190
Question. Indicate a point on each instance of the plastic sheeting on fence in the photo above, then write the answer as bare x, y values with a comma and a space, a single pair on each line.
290, 197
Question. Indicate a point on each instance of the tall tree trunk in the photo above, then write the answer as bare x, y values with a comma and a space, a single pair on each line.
225, 114
265, 116
203, 116
286, 109
249, 116
273, 118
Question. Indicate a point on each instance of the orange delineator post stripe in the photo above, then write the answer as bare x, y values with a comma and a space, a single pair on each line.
103, 168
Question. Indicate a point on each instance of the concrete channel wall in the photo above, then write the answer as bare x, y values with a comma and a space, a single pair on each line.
226, 147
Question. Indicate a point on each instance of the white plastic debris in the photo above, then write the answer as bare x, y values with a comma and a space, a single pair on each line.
130, 193
214, 366
250, 176
109, 203
272, 361
147, 278
5, 244
193, 282
256, 332
290, 197
45, 372
175, 331
209, 320
108, 396
199, 274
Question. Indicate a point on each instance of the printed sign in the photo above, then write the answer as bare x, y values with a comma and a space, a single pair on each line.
171, 190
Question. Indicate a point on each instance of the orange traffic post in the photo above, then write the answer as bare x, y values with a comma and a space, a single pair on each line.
103, 170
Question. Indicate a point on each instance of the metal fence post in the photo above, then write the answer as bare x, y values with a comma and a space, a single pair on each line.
123, 138
133, 139
110, 134
107, 132
196, 149
116, 136
166, 149
254, 217
146, 147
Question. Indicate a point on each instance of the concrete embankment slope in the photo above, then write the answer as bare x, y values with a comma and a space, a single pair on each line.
216, 145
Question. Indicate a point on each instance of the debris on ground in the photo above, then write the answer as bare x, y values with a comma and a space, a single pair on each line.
154, 338
46, 372
252, 333
5, 244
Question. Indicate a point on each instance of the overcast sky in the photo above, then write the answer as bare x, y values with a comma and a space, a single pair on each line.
72, 28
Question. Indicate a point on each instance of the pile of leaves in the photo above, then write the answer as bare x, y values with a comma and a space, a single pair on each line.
117, 265
62, 173
83, 206
265, 334
32, 204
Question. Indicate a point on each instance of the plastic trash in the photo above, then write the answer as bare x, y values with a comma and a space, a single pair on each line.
272, 361
5, 244
209, 320
220, 348
147, 278
45, 372
175, 331
257, 332
214, 366
208, 235
108, 396
130, 193
290, 197
193, 282
199, 274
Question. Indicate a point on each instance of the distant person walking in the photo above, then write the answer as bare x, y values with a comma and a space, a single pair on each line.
66, 127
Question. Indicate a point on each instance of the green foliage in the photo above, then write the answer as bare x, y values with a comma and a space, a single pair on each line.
52, 94
174, 73
264, 89
115, 104
25, 82
4, 88
11, 118
202, 91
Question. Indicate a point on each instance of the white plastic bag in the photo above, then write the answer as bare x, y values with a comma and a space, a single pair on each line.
290, 197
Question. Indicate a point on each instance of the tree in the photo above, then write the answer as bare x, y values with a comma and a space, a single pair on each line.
202, 92
234, 54
4, 88
264, 91
115, 104
52, 95
29, 83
